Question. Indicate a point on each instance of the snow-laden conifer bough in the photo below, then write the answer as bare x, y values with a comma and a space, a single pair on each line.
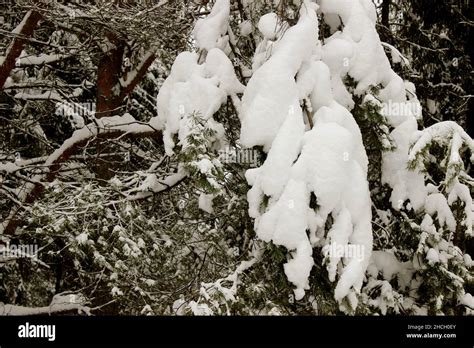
318, 151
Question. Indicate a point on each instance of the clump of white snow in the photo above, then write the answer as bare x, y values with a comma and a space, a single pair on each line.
210, 31
205, 203
245, 28
269, 26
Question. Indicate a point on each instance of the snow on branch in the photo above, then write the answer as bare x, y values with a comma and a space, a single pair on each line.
40, 59
442, 132
397, 56
13, 310
48, 95
153, 184
129, 82
104, 128
59, 304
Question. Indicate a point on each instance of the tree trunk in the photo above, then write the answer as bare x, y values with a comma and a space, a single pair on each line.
22, 33
385, 21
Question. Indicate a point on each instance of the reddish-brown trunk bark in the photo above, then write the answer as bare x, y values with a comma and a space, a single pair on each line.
30, 21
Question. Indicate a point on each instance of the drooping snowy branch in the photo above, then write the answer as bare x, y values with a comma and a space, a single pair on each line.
328, 161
